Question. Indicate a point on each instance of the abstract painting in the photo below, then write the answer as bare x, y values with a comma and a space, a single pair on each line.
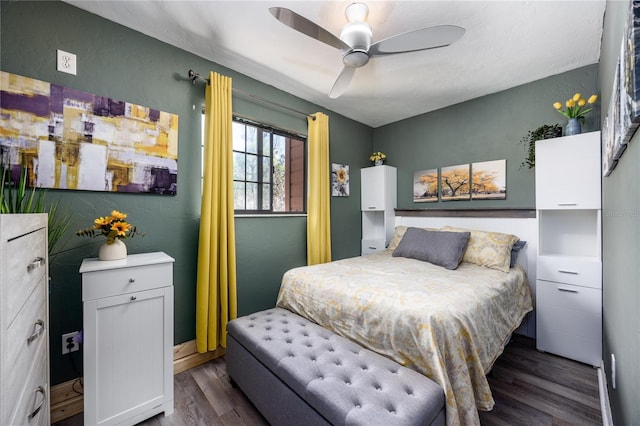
489, 180
339, 180
455, 183
70, 139
425, 186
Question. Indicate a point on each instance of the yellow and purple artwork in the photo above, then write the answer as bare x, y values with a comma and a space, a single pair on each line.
70, 139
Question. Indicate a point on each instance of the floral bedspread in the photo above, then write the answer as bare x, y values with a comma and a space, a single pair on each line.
448, 325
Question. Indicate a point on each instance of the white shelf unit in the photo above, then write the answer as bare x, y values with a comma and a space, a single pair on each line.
378, 202
569, 264
128, 338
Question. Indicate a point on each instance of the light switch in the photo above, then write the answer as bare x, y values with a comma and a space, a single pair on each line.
66, 62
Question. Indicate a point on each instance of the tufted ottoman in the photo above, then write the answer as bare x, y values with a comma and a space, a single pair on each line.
296, 372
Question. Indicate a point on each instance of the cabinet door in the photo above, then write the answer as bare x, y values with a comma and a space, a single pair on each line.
373, 188
568, 172
128, 340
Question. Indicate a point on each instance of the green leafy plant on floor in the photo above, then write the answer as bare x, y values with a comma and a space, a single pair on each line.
543, 132
18, 197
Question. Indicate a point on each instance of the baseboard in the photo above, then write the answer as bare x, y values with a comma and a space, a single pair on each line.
66, 402
605, 406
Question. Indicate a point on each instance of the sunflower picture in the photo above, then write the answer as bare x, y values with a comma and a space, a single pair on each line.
339, 180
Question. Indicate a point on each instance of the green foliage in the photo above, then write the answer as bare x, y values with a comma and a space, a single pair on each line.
17, 197
543, 132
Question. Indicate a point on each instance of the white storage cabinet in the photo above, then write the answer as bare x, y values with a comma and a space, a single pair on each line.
24, 316
569, 265
128, 338
378, 202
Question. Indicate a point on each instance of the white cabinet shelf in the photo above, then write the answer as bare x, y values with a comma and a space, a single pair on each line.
378, 203
128, 338
569, 264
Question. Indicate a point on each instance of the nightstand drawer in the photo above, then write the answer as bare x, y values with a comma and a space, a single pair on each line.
112, 282
576, 271
372, 246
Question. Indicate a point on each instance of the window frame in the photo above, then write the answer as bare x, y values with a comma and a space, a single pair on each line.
262, 127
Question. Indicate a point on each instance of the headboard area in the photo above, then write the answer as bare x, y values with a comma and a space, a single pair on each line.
520, 222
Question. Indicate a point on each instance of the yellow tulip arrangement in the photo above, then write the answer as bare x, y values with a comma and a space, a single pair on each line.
112, 227
577, 106
377, 156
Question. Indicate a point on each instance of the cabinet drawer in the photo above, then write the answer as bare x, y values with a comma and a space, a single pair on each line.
372, 246
576, 271
33, 394
22, 268
26, 337
113, 282
569, 320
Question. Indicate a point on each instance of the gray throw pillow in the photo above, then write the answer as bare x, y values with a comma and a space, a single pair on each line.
438, 247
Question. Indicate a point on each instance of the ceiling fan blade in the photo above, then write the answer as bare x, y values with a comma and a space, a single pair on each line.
422, 39
342, 82
306, 27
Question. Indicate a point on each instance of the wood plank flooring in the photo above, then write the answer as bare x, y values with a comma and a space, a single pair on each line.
529, 388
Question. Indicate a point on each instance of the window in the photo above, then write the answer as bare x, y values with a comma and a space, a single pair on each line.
268, 169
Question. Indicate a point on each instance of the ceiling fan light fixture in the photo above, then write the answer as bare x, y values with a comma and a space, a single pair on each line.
355, 58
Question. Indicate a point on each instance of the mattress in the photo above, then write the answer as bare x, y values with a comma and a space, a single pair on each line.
449, 325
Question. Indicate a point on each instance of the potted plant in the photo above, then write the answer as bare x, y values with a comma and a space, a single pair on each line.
543, 132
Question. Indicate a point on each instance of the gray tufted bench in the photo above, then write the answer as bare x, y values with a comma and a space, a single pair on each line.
296, 372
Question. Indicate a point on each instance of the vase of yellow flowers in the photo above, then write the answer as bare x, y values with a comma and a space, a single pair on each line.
115, 228
576, 108
378, 158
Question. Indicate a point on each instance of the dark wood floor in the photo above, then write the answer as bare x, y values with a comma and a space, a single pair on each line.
529, 388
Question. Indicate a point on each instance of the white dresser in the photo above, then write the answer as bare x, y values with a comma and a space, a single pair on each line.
128, 338
569, 265
378, 201
24, 316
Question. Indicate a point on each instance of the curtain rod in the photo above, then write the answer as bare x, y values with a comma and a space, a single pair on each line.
193, 76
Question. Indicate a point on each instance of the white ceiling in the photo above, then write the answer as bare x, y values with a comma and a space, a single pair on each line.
506, 44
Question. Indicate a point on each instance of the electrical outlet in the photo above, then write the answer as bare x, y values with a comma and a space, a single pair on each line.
66, 62
69, 343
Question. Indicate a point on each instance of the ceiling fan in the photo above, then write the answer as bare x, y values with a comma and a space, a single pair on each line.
355, 39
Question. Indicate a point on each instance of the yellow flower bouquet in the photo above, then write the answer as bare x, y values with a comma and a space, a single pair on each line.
377, 157
576, 107
112, 227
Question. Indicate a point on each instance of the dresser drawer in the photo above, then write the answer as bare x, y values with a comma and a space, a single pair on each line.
23, 267
26, 334
569, 320
112, 282
568, 270
33, 393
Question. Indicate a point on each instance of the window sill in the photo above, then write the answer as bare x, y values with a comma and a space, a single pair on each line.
271, 215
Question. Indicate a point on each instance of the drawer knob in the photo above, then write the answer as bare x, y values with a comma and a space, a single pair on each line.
37, 262
39, 328
567, 290
372, 248
133, 298
567, 272
39, 390
132, 280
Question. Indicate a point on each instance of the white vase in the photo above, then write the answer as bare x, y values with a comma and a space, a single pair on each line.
114, 251
379, 162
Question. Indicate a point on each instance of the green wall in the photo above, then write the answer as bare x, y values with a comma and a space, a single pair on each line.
122, 64
483, 129
620, 245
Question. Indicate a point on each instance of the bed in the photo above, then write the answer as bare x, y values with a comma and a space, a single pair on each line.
448, 324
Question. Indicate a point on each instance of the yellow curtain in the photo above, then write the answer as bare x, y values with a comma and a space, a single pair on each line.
216, 301
319, 197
